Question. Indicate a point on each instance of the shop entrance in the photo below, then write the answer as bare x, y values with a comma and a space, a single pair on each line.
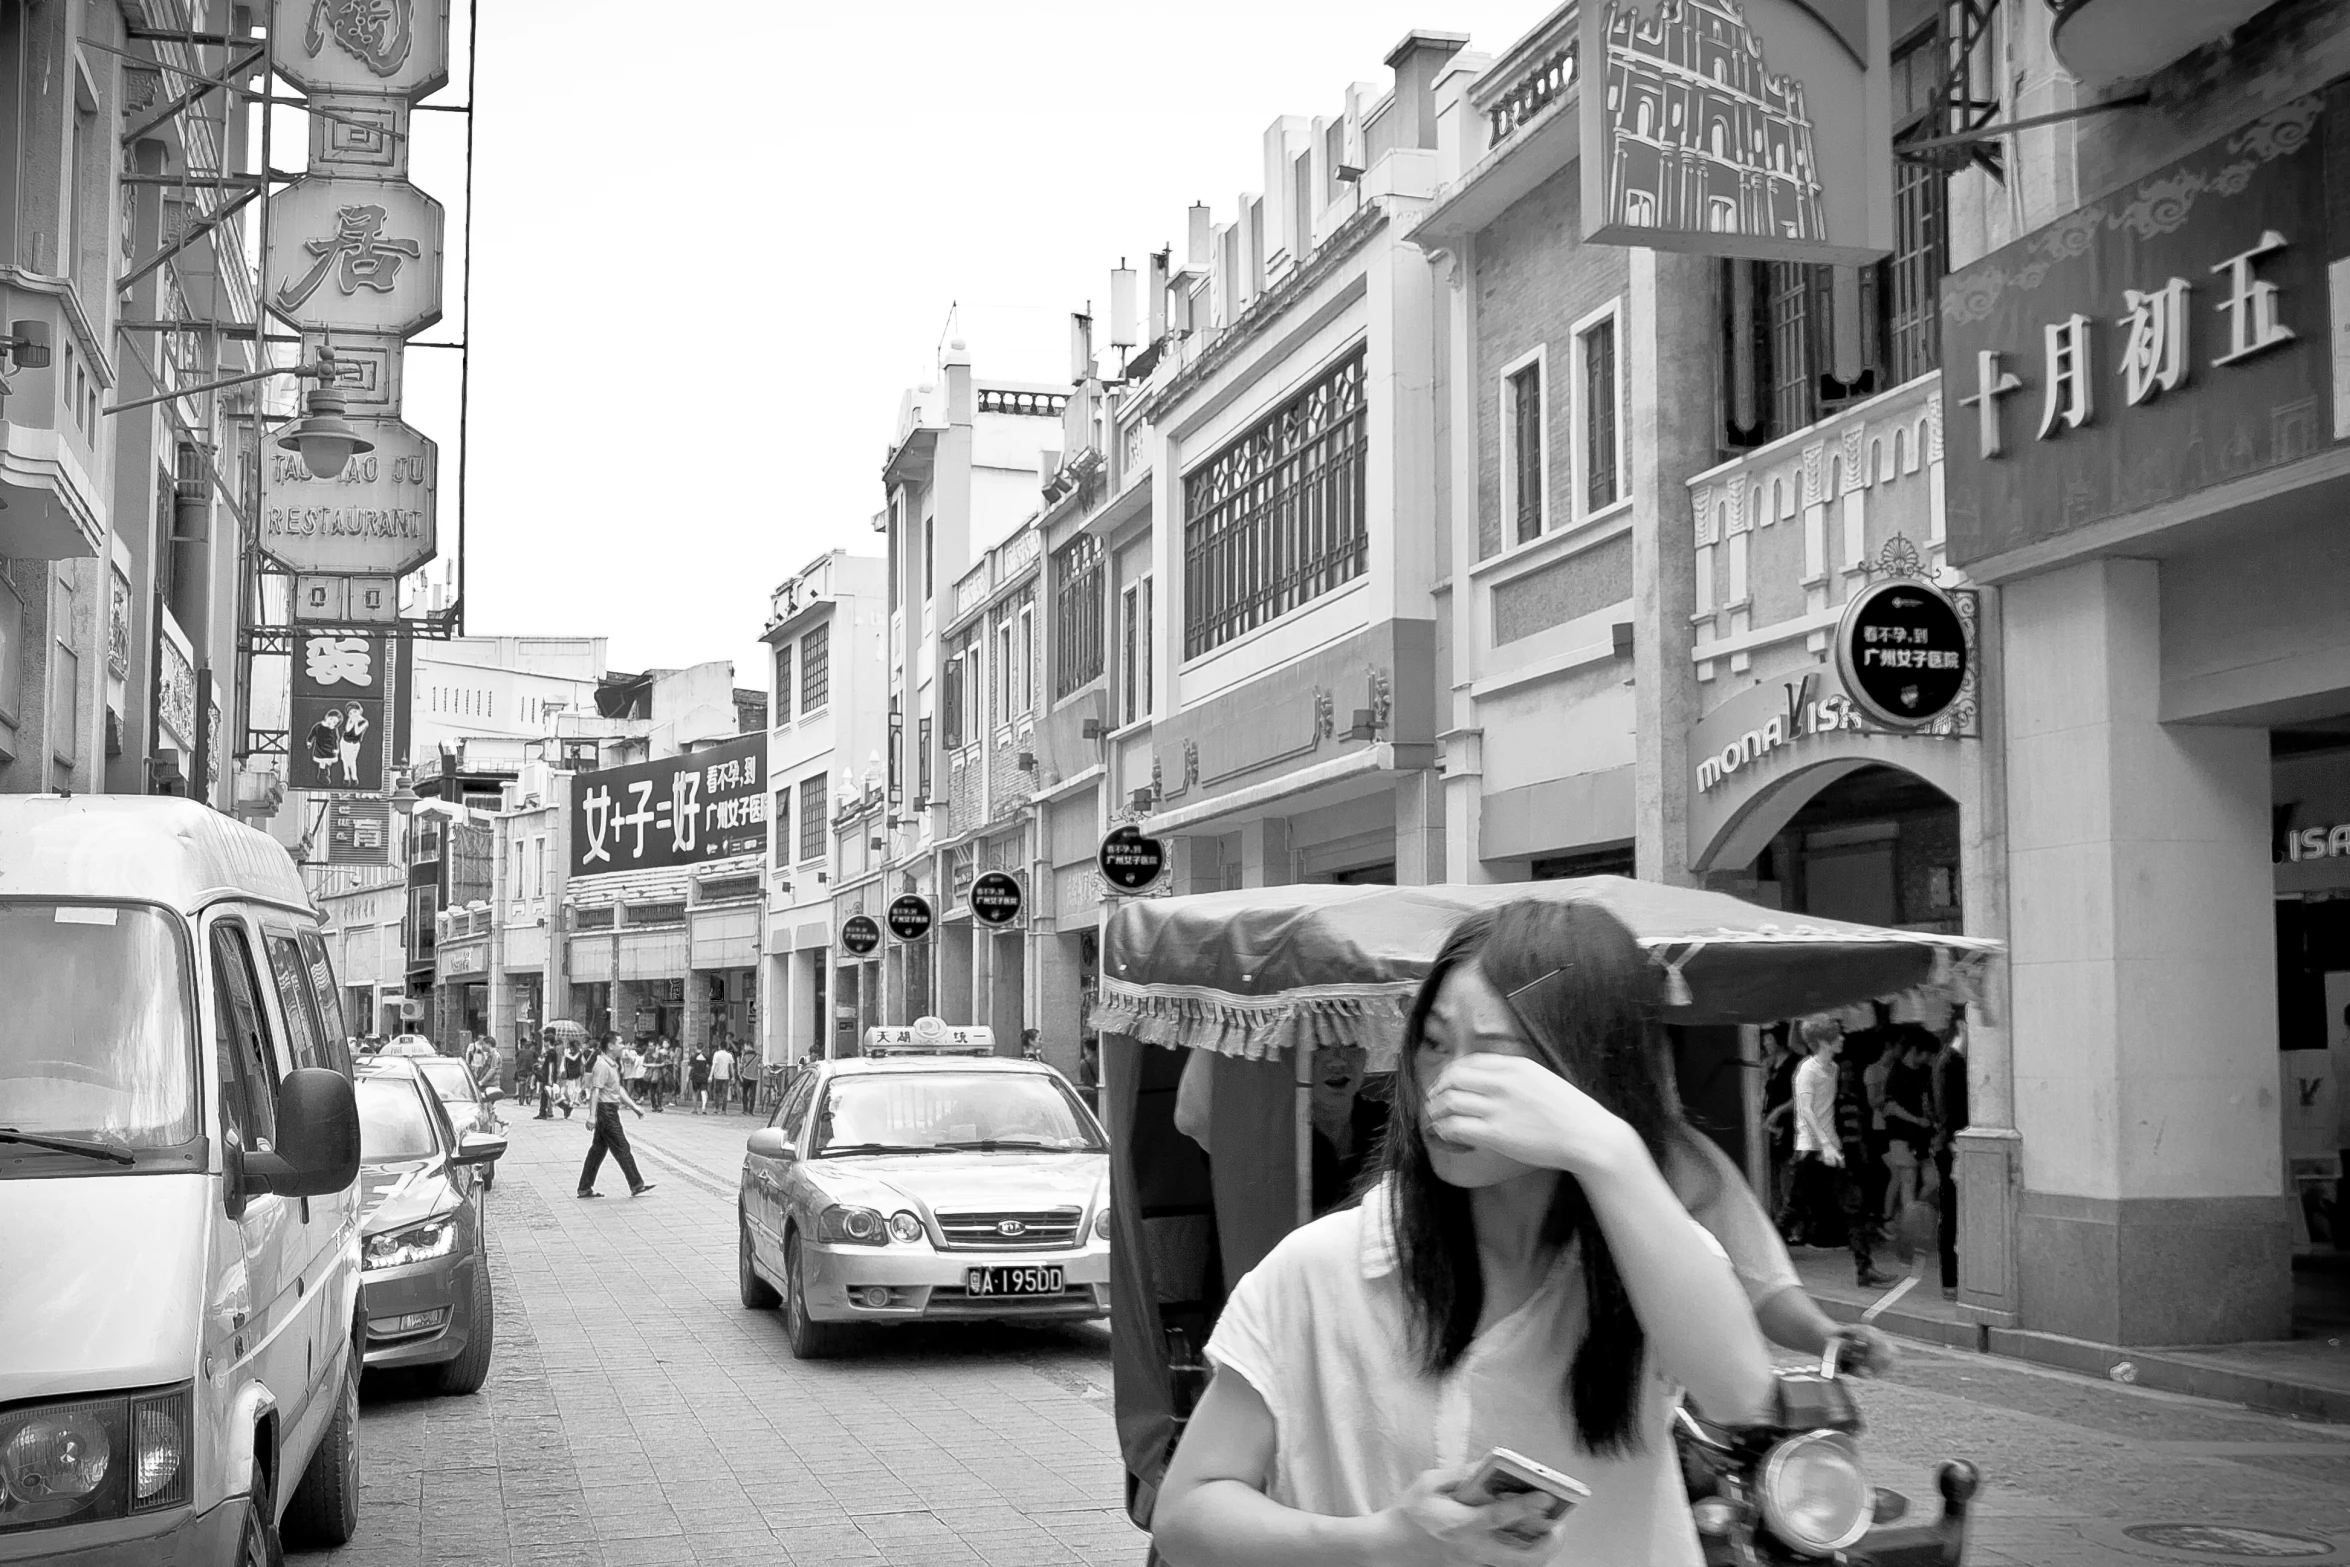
2309, 768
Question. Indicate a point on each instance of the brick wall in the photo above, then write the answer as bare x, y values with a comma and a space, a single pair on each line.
1534, 281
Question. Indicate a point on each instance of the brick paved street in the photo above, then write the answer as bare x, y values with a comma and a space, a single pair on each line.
638, 1415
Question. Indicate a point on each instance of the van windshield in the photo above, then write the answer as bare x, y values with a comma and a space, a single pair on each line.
94, 1038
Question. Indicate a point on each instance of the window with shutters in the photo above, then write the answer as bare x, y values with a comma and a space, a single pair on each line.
783, 685
1277, 518
1525, 447
1077, 615
815, 670
813, 818
1603, 412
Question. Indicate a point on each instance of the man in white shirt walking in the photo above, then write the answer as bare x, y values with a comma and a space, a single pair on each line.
721, 1075
1814, 1196
605, 1095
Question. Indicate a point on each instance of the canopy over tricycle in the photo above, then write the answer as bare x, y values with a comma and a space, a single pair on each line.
1227, 1001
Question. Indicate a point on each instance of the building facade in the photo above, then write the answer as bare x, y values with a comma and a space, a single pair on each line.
827, 710
119, 560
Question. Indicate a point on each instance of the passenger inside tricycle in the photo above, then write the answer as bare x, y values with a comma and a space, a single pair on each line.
1250, 1063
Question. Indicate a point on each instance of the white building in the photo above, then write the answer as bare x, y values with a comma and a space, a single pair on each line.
827, 705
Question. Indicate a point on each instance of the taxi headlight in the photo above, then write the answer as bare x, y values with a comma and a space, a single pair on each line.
1814, 1496
1101, 1225
855, 1226
904, 1226
415, 1243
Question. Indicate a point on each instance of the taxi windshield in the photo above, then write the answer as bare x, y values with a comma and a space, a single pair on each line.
950, 1112
96, 1045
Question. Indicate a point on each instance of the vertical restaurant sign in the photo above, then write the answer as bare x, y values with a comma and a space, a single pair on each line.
680, 810
337, 741
1757, 128
358, 832
354, 255
2171, 336
374, 519
394, 47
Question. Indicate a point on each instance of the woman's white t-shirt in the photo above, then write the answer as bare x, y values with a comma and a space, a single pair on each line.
1320, 1329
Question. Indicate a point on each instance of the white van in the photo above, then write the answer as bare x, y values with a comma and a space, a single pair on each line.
179, 1254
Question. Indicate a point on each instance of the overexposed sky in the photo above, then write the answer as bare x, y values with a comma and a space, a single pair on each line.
715, 243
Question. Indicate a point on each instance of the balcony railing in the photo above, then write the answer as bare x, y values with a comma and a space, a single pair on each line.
1532, 93
1038, 405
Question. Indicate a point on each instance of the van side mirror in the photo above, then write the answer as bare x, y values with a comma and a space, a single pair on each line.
317, 1137
770, 1142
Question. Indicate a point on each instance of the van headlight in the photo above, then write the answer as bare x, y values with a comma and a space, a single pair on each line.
1814, 1496
415, 1243
75, 1462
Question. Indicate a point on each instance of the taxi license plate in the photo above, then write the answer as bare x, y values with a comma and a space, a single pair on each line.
1012, 1281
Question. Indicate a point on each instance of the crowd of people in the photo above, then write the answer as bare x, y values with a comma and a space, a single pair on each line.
1863, 1112
712, 1079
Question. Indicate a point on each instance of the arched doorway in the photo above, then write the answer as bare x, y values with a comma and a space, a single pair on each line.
1879, 844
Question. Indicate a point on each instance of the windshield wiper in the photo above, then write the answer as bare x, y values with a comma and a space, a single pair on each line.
995, 1144
831, 1149
88, 1150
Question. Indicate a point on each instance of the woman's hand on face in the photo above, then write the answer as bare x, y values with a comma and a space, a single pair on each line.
1432, 1528
1524, 1111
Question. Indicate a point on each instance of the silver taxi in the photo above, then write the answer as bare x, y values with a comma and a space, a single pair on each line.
924, 1186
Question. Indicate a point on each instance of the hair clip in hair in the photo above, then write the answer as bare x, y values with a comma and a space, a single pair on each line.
1539, 979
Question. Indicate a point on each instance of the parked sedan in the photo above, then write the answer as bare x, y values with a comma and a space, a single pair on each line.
470, 1109
424, 1265
923, 1189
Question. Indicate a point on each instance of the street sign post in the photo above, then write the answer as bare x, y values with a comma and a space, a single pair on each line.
996, 899
1130, 862
1901, 651
909, 917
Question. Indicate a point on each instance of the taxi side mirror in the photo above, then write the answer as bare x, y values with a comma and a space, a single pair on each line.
771, 1142
317, 1149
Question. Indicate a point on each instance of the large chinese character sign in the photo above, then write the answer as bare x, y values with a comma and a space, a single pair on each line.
1759, 128
681, 810
351, 255
2167, 338
337, 739
397, 47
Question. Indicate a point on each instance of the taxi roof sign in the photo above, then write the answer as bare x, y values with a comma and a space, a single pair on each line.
930, 1036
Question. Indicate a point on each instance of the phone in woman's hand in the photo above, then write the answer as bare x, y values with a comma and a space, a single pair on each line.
1502, 1474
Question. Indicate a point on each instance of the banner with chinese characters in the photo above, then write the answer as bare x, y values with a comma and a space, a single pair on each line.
2169, 337
1757, 128
336, 740
680, 810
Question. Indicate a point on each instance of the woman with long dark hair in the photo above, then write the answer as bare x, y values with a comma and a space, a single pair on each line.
1521, 1276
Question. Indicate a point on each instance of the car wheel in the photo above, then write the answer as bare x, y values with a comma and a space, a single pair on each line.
810, 1339
757, 1293
325, 1506
257, 1543
471, 1369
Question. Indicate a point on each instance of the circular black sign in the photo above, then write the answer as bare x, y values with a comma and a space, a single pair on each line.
1902, 651
909, 917
1129, 861
995, 899
859, 934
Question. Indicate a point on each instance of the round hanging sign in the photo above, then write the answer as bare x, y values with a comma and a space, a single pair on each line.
909, 917
859, 934
1902, 651
995, 899
1129, 861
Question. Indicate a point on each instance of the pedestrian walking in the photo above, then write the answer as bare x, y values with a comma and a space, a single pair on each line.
1779, 1115
1823, 1204
1948, 1068
547, 1067
1031, 1045
1909, 1119
699, 1076
1861, 1192
721, 1074
606, 1094
481, 1063
574, 1065
656, 1064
